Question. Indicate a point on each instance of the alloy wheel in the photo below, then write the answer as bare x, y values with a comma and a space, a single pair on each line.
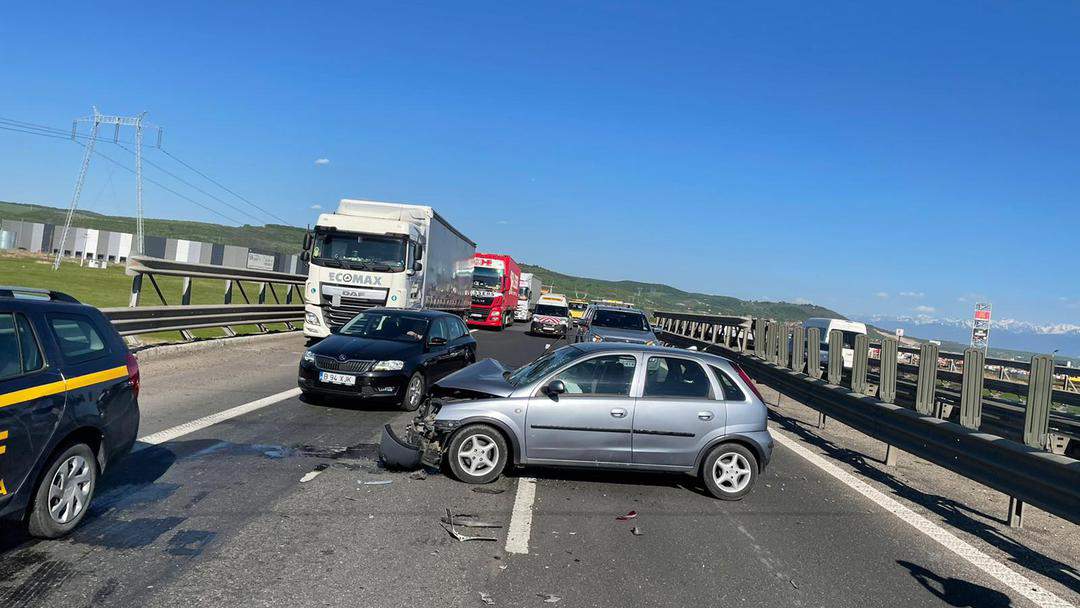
732, 472
478, 455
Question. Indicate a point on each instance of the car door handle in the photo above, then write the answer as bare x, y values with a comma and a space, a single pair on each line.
705, 416
618, 413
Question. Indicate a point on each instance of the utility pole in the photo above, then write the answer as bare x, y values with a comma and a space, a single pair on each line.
96, 120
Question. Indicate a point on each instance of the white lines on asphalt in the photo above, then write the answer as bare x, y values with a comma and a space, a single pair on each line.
517, 537
1013, 580
212, 419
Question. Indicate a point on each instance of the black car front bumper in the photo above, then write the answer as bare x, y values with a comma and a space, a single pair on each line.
369, 385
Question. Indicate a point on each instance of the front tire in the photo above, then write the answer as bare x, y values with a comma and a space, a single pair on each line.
63, 496
729, 471
477, 454
414, 393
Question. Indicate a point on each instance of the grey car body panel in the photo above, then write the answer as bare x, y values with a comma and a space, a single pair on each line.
625, 335
483, 377
580, 431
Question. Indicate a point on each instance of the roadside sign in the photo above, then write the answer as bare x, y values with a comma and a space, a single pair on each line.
260, 261
980, 327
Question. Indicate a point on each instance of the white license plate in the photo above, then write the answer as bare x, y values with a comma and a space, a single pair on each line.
332, 378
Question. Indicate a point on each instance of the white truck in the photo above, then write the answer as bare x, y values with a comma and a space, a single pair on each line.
369, 254
528, 296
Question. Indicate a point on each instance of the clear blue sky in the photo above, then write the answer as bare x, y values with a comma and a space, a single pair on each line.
829, 152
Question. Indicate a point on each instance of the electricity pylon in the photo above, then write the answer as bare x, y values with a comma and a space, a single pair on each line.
96, 120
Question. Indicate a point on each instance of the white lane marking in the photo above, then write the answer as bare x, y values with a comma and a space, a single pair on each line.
212, 419
517, 537
1013, 580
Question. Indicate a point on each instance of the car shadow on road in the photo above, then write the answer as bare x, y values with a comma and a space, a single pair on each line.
953, 513
956, 592
350, 403
609, 476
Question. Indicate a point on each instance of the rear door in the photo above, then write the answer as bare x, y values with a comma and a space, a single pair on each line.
31, 398
591, 422
95, 368
675, 413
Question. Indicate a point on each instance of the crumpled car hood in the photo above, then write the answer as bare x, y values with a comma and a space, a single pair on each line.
481, 379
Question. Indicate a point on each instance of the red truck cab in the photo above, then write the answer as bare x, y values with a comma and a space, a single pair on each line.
495, 290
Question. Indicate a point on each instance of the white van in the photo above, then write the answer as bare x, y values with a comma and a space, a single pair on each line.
551, 316
850, 329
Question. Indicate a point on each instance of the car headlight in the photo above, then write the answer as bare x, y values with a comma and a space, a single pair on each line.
597, 338
312, 318
309, 357
388, 366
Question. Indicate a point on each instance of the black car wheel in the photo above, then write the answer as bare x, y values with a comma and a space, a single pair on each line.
414, 393
477, 454
63, 496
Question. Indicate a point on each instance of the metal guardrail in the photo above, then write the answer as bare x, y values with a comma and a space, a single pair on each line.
1023, 471
134, 319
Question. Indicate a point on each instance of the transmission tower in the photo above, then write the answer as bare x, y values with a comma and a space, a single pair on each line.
96, 120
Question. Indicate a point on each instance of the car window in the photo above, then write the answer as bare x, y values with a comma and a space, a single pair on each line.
456, 328
609, 375
10, 360
32, 360
732, 392
438, 330
549, 361
79, 340
674, 377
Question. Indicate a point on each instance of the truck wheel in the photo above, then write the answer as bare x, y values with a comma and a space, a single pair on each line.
729, 471
477, 454
63, 496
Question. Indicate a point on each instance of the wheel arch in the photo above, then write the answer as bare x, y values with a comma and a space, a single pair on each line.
745, 442
498, 425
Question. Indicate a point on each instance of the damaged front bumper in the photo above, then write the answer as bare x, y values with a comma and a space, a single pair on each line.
420, 444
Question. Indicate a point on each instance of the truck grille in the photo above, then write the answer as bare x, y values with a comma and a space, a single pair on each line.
482, 300
337, 316
331, 364
478, 313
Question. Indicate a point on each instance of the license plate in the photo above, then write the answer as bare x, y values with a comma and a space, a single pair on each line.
332, 378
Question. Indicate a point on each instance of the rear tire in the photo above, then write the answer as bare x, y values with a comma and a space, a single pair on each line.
415, 389
729, 471
62, 498
477, 454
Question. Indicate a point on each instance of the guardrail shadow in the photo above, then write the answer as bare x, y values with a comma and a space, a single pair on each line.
956, 592
954, 513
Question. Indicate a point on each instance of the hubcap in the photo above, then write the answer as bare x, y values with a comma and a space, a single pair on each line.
478, 455
70, 488
731, 472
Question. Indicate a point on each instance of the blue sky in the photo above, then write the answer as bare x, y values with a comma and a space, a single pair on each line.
839, 153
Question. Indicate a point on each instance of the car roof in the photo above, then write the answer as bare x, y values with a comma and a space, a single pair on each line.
599, 347
417, 312
616, 308
34, 294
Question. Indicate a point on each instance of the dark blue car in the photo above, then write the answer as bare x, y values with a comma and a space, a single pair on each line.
68, 407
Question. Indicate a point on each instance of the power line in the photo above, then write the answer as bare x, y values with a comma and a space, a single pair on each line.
223, 187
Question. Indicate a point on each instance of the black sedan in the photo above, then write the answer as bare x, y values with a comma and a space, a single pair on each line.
388, 354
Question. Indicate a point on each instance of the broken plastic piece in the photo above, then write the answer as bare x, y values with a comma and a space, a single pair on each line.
312, 474
457, 535
630, 515
487, 599
548, 598
462, 519
484, 490
396, 453
636, 531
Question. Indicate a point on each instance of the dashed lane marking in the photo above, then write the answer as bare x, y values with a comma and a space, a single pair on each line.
1011, 579
207, 421
517, 537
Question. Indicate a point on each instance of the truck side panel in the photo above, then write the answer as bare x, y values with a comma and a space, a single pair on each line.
448, 262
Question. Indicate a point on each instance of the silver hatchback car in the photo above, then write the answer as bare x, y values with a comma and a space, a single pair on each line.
618, 406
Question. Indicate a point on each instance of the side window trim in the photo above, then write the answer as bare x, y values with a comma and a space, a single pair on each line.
19, 373
35, 342
713, 388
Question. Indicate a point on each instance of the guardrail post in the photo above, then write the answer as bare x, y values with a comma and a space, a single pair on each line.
770, 339
859, 363
836, 356
924, 392
887, 371
136, 290
783, 353
1016, 512
971, 388
798, 348
1040, 393
185, 300
262, 300
813, 352
228, 291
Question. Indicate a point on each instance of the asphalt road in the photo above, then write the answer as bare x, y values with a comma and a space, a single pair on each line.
219, 517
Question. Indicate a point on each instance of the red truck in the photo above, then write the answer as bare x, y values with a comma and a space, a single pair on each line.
495, 290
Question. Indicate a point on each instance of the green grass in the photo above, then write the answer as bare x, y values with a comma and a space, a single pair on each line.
110, 287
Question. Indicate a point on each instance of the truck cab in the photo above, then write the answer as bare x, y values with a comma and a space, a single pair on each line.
496, 279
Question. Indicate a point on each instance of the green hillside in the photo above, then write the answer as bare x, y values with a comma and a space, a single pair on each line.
271, 237
654, 296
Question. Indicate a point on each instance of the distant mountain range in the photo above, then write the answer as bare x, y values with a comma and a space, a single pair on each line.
1004, 333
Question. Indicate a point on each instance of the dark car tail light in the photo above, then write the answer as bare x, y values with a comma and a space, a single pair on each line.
748, 381
133, 373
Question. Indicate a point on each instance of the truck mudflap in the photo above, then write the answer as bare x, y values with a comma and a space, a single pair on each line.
396, 453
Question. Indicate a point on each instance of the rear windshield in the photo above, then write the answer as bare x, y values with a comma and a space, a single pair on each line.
620, 319
552, 310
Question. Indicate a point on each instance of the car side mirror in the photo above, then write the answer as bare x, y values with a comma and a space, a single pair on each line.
437, 341
555, 388
305, 256
417, 266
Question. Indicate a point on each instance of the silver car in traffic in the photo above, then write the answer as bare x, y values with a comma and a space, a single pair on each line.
600, 405
615, 324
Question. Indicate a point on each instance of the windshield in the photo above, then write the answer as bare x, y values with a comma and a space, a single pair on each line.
387, 326
618, 319
359, 251
548, 362
523, 292
487, 278
578, 305
552, 310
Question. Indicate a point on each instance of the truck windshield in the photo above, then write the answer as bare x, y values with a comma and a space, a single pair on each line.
618, 319
359, 251
487, 278
386, 326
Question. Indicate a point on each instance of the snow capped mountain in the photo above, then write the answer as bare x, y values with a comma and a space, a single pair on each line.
1004, 333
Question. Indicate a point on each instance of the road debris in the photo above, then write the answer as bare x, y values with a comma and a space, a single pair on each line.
487, 599
793, 583
419, 476
313, 473
377, 482
548, 598
636, 531
466, 520
483, 490
457, 535
630, 515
